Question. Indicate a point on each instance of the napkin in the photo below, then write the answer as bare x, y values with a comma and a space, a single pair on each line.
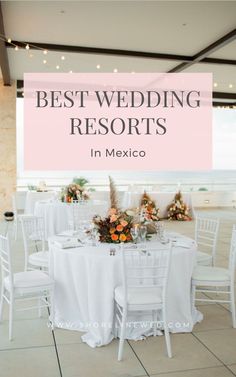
183, 244
67, 243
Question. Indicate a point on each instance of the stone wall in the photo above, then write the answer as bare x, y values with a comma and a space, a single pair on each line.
7, 146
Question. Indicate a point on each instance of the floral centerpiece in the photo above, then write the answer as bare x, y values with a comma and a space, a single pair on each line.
178, 210
74, 192
115, 228
148, 210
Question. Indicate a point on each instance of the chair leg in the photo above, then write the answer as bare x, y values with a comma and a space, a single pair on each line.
52, 309
11, 308
1, 302
167, 335
154, 322
232, 305
122, 335
39, 308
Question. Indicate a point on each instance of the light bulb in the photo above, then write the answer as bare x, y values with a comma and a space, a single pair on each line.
115, 70
16, 48
57, 67
44, 61
98, 66
215, 84
62, 57
45, 52
27, 47
9, 40
230, 86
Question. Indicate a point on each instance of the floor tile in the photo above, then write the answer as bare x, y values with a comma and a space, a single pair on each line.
80, 360
233, 368
67, 336
207, 372
188, 353
215, 317
35, 362
26, 333
222, 343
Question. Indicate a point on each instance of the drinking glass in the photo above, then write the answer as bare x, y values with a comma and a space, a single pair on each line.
134, 233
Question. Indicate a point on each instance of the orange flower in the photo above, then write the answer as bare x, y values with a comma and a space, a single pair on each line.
113, 218
122, 237
124, 223
128, 237
119, 228
112, 230
114, 237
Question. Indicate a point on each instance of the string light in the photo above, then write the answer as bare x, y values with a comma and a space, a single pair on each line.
215, 84
230, 86
27, 47
98, 66
57, 67
44, 61
115, 70
16, 48
62, 57
9, 40
45, 52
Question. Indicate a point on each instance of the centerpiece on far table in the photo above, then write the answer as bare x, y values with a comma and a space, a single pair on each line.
148, 210
76, 191
178, 210
116, 227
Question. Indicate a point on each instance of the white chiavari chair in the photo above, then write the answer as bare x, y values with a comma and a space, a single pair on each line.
33, 229
27, 285
144, 288
206, 235
18, 206
207, 279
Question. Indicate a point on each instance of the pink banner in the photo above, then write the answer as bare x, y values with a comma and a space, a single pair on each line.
116, 121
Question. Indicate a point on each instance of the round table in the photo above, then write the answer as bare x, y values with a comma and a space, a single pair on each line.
58, 216
85, 279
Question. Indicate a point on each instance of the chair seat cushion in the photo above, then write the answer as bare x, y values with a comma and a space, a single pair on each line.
29, 279
204, 259
139, 296
211, 274
39, 259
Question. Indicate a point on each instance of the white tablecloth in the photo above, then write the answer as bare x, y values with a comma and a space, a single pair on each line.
85, 279
162, 199
33, 196
58, 216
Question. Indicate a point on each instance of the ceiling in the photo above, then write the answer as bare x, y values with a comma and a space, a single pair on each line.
173, 27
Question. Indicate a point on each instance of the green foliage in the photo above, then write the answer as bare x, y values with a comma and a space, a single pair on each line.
80, 181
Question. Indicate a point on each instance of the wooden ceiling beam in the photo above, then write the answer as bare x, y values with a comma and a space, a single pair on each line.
4, 64
117, 52
203, 54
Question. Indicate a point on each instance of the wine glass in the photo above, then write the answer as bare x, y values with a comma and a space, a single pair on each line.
143, 232
134, 233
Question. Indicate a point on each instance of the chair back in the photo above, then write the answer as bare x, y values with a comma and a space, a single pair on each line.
33, 229
5, 256
206, 234
149, 269
232, 253
83, 213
